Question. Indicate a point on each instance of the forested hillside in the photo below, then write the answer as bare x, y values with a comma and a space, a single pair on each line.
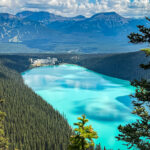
124, 66
31, 123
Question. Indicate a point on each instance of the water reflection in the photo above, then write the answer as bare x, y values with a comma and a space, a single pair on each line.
74, 90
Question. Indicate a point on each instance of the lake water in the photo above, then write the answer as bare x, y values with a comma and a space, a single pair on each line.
74, 91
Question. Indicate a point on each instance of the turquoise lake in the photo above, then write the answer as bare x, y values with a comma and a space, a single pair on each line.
74, 90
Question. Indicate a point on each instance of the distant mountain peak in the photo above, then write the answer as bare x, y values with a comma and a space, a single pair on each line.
110, 13
106, 14
7, 16
109, 18
39, 16
79, 16
24, 14
43, 16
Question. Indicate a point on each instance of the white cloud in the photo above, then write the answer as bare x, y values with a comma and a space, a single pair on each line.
136, 8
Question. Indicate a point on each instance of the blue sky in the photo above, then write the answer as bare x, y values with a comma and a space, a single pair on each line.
127, 8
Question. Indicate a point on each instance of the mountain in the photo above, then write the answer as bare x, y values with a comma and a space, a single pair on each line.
78, 18
107, 20
7, 16
24, 14
50, 32
39, 16
16, 29
45, 17
108, 24
110, 19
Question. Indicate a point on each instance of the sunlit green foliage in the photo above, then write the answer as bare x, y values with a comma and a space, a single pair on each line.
3, 139
83, 136
147, 51
137, 134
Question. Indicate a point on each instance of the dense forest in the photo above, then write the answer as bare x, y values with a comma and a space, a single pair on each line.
31, 123
122, 65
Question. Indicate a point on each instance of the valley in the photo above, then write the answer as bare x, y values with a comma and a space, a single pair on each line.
54, 68
32, 107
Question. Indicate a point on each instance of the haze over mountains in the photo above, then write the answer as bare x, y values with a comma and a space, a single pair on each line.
46, 32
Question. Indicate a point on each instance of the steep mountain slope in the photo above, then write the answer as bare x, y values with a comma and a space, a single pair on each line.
13, 29
31, 123
100, 23
106, 23
124, 66
50, 32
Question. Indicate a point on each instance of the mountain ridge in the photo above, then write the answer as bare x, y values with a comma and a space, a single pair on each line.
50, 32
45, 15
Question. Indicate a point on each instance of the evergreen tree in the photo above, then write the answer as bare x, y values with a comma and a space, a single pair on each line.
98, 147
138, 133
30, 123
3, 139
83, 135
